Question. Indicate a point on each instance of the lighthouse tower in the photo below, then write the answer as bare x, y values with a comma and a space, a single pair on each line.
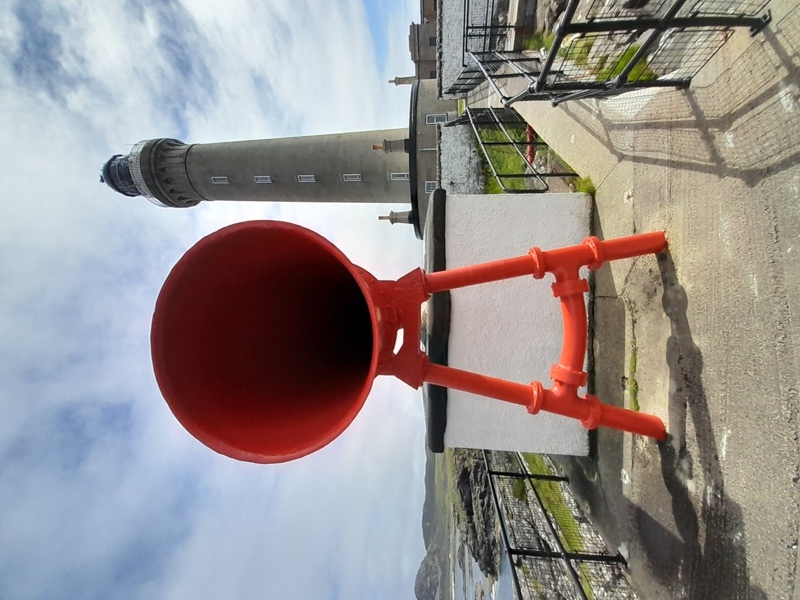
381, 166
370, 166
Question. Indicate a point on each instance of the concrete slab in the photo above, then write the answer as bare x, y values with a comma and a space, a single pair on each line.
509, 329
709, 332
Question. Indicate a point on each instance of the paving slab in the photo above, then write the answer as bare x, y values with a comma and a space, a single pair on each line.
706, 335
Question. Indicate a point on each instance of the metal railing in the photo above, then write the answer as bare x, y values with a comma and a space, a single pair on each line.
519, 160
485, 26
623, 45
554, 549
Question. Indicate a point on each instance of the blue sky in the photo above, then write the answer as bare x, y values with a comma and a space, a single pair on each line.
102, 493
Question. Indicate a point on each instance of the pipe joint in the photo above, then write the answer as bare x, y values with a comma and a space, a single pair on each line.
592, 420
570, 287
539, 262
537, 397
567, 376
596, 246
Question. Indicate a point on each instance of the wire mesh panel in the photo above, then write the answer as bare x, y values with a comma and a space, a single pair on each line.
471, 77
526, 524
680, 54
485, 25
493, 66
627, 9
723, 8
545, 579
605, 581
596, 58
576, 532
641, 9
508, 64
622, 45
554, 550
503, 461
602, 57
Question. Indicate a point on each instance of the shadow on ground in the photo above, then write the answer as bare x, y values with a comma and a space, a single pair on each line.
691, 541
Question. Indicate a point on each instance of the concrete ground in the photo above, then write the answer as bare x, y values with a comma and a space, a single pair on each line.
707, 335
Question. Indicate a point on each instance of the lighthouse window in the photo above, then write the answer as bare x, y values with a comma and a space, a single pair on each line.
351, 177
219, 180
430, 186
399, 176
262, 178
435, 118
307, 178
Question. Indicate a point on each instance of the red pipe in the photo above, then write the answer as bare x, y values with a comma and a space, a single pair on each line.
573, 350
482, 385
631, 421
481, 273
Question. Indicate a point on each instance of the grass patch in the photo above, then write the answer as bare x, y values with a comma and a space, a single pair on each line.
584, 185
538, 40
506, 160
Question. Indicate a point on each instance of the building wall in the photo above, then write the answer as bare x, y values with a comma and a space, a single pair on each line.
422, 45
428, 104
428, 11
325, 157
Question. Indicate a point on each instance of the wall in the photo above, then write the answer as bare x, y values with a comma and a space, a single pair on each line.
509, 329
327, 157
423, 54
427, 135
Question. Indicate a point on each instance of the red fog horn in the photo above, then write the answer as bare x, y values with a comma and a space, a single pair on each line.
263, 341
266, 339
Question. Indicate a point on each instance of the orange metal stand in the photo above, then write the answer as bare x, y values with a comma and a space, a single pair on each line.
568, 375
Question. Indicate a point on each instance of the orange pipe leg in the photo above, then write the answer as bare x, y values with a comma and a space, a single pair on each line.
477, 274
563, 400
474, 383
568, 375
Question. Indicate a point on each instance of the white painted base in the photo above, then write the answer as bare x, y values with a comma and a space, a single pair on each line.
509, 329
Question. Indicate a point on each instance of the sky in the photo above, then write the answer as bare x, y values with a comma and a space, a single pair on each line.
102, 493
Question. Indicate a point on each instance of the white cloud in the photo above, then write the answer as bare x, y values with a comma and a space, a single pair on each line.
102, 494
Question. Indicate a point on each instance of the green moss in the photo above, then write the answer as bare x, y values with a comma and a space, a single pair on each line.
553, 500
586, 185
611, 69
633, 385
601, 63
520, 490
